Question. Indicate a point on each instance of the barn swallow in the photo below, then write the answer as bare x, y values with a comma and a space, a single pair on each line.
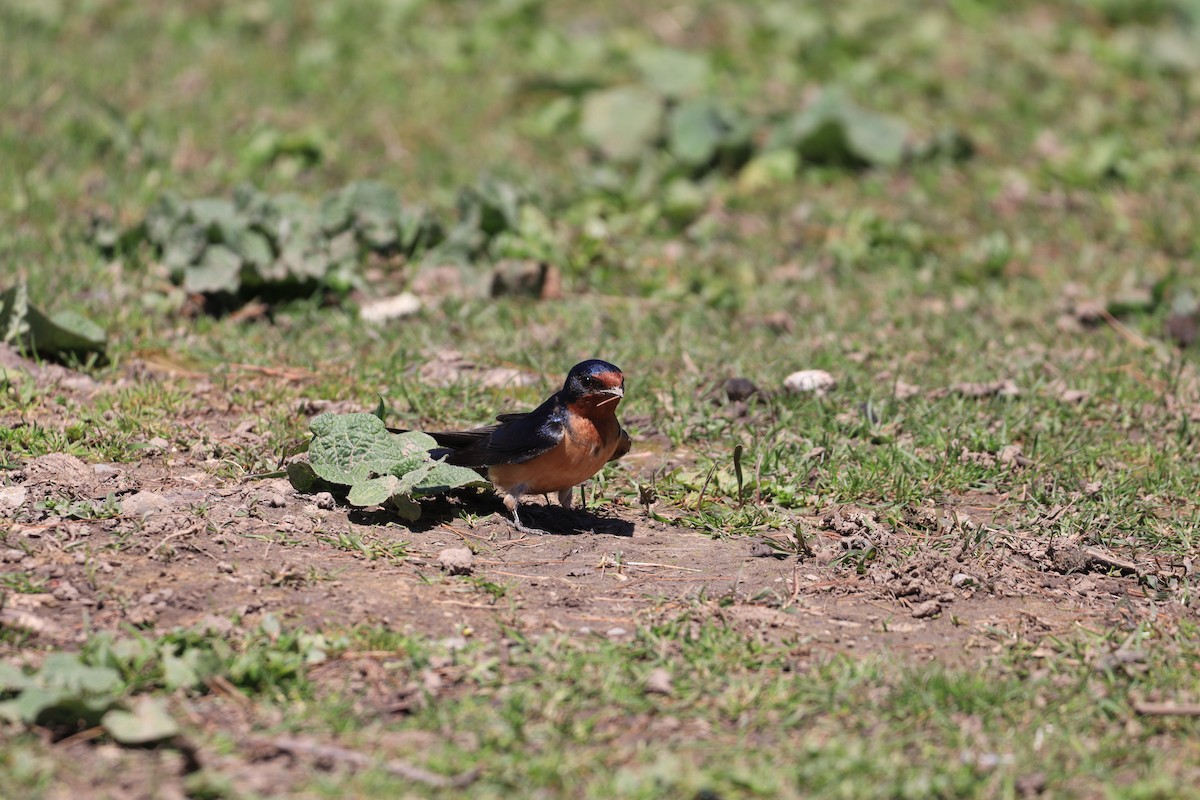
552, 449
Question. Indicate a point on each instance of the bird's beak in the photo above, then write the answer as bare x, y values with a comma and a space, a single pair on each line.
616, 392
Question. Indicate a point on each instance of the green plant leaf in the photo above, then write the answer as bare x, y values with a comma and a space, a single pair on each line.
351, 448
61, 333
622, 122
835, 130
442, 477
374, 491
148, 721
219, 270
694, 132
12, 678
672, 73
66, 671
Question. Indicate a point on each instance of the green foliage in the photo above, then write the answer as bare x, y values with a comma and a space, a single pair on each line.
834, 130
58, 336
67, 693
212, 245
358, 453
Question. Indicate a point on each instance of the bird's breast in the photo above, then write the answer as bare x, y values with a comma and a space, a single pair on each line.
585, 447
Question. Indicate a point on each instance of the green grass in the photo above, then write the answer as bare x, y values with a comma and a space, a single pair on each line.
742, 719
934, 273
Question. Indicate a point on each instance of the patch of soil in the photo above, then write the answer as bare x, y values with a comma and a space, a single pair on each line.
191, 548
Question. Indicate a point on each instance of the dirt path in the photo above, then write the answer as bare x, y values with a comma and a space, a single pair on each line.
189, 548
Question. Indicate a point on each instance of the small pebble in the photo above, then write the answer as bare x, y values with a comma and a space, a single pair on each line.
962, 579
456, 560
659, 682
14, 556
614, 633
809, 380
930, 608
224, 566
737, 389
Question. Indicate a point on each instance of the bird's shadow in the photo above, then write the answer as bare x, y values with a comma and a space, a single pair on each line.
440, 509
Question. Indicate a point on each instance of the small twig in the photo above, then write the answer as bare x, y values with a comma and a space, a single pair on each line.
653, 564
1166, 709
85, 735
181, 532
1124, 330
329, 752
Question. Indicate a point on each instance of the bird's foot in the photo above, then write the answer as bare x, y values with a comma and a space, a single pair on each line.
523, 528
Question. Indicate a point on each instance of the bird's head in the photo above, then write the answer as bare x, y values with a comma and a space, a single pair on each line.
595, 383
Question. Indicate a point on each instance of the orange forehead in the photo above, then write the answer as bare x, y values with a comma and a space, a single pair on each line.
610, 379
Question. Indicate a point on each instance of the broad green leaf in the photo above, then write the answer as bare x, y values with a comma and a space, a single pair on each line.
66, 671
769, 169
148, 721
179, 672
12, 678
55, 335
254, 248
874, 138
406, 508
673, 73
219, 270
64, 332
834, 130
373, 492
443, 477
14, 306
351, 448
621, 123
302, 476
694, 132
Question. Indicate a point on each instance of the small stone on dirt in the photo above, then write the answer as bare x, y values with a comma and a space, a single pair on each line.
738, 389
11, 498
1001, 388
1010, 455
401, 305
456, 560
616, 633
224, 566
159, 443
817, 381
930, 608
659, 682
13, 556
764, 550
144, 503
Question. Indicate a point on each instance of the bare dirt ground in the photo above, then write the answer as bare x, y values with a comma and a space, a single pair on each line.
191, 548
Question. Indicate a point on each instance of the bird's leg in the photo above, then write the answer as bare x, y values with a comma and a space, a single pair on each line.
511, 502
564, 497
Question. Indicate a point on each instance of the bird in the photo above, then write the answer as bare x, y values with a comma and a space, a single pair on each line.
551, 449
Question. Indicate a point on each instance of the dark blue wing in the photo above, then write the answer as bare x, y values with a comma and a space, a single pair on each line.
515, 439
